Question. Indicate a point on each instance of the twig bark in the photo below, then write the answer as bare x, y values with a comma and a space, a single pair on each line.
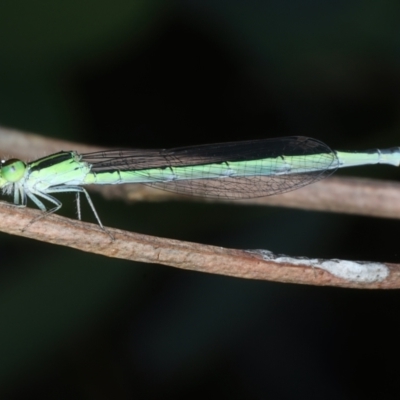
353, 196
255, 264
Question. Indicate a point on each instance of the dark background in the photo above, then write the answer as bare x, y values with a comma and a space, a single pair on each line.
172, 73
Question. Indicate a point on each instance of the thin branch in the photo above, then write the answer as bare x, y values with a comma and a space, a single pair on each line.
255, 264
373, 198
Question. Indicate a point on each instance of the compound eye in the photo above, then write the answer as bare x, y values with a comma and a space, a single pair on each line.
13, 170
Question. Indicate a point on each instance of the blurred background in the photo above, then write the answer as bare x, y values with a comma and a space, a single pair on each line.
171, 73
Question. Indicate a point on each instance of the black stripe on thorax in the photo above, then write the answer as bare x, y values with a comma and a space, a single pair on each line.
49, 161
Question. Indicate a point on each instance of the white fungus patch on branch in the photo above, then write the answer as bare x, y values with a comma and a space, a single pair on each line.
353, 271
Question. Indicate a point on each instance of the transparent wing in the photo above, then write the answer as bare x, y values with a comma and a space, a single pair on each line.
315, 161
240, 187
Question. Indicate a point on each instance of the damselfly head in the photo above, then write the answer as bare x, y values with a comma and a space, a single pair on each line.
12, 170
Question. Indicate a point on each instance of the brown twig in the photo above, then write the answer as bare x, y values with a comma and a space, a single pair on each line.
356, 196
257, 264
